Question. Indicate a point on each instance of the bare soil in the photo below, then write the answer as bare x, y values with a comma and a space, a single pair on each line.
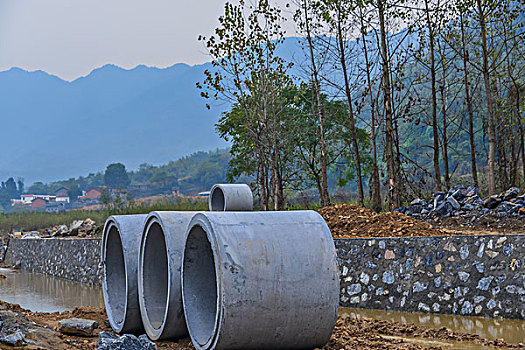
351, 221
349, 334
364, 333
483, 225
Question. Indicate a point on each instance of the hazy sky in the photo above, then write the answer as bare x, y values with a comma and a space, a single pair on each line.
69, 38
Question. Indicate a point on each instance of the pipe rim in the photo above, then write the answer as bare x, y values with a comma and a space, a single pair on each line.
152, 332
203, 223
217, 194
117, 326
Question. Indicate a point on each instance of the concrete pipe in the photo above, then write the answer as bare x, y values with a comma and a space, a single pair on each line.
253, 280
231, 197
160, 260
119, 252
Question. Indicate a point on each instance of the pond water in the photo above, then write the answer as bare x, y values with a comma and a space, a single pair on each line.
513, 331
44, 293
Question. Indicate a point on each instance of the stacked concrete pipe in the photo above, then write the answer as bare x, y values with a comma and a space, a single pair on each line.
254, 280
119, 251
160, 260
231, 197
231, 280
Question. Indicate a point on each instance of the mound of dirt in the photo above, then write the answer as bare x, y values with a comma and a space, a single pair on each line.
350, 221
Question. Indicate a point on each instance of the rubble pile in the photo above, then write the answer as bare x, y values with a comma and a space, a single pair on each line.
462, 200
79, 228
347, 221
110, 341
463, 207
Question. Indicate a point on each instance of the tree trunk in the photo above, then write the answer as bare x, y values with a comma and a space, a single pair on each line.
522, 134
353, 131
435, 131
276, 174
490, 112
389, 152
325, 195
445, 141
445, 122
469, 107
276, 184
262, 182
375, 185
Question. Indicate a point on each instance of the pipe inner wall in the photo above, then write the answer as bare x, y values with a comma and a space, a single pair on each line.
199, 264
155, 275
116, 285
217, 199
119, 252
159, 274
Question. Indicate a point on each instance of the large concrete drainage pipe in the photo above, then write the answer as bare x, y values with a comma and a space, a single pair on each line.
119, 252
231, 197
160, 260
253, 280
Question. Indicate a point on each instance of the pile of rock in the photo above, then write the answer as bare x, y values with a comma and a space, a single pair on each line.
465, 201
110, 341
80, 228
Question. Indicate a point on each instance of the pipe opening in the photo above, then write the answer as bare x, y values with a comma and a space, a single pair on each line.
199, 282
115, 277
217, 199
155, 275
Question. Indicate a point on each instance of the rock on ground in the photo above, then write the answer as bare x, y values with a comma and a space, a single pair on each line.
17, 331
77, 326
110, 341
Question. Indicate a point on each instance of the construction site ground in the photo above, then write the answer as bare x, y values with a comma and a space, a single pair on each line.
352, 221
350, 333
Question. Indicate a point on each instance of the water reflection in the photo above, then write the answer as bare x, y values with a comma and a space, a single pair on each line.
39, 292
513, 331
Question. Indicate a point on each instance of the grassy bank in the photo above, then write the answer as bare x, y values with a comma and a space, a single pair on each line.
30, 221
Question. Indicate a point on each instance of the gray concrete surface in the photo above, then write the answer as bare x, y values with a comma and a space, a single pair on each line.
231, 197
259, 280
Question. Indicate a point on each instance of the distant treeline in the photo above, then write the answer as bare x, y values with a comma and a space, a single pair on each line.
189, 175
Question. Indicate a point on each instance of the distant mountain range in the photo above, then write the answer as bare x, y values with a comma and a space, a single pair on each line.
54, 129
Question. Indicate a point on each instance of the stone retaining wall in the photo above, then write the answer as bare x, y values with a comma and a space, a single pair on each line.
464, 275
73, 259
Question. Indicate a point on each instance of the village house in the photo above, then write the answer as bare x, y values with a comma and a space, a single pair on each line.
93, 193
61, 195
61, 192
38, 203
29, 198
55, 207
